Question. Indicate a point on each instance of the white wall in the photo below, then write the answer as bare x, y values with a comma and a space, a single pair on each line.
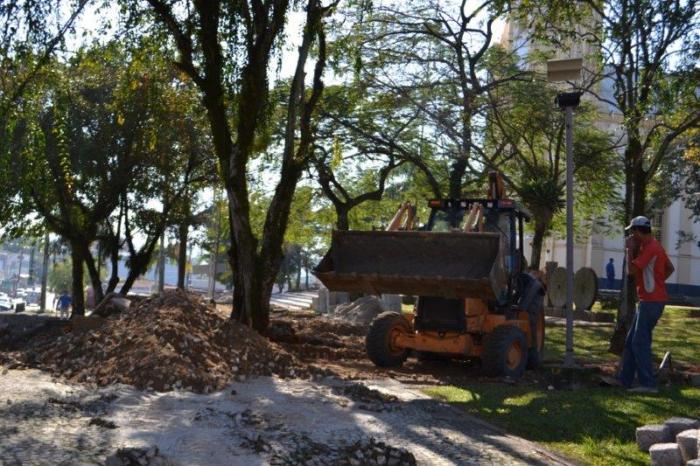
598, 249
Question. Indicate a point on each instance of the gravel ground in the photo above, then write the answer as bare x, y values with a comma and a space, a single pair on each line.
259, 421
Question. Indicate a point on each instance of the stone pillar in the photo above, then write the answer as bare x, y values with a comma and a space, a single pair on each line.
322, 301
337, 297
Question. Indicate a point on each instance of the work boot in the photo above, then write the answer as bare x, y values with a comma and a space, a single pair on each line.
610, 381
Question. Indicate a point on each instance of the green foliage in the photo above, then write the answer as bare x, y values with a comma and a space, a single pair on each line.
526, 136
60, 278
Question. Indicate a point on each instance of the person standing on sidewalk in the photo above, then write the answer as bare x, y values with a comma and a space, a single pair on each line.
64, 304
651, 267
610, 273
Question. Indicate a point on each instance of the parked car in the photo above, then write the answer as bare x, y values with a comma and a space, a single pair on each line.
19, 304
6, 303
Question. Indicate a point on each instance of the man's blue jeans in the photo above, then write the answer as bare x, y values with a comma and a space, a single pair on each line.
637, 355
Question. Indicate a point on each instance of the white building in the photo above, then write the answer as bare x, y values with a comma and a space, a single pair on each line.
598, 249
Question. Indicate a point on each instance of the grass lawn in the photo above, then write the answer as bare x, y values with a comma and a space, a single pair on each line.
676, 332
593, 425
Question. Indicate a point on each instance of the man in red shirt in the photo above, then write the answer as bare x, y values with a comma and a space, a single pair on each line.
651, 268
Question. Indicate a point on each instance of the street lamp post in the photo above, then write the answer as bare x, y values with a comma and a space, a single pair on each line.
567, 70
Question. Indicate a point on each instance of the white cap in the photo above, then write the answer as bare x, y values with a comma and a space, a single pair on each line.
640, 221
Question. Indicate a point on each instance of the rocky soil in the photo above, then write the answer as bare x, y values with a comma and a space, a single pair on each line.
171, 380
262, 421
173, 341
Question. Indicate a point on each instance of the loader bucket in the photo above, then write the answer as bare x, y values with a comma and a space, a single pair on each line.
420, 263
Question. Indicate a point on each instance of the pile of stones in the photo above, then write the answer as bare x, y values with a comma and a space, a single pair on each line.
173, 341
139, 457
367, 398
361, 311
281, 446
674, 443
365, 452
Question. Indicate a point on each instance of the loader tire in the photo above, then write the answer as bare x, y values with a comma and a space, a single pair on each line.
535, 353
380, 338
505, 352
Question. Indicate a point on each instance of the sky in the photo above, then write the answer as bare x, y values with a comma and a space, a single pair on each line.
94, 15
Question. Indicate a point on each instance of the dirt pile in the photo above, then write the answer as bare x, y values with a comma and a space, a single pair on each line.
361, 311
16, 329
319, 339
172, 341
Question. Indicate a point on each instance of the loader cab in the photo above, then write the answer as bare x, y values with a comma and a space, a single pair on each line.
503, 216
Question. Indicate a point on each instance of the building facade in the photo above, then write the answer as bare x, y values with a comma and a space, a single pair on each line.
672, 225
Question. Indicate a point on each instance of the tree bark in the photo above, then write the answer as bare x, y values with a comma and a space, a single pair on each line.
114, 273
541, 228
342, 222
635, 204
254, 268
138, 263
94, 274
77, 280
182, 233
44, 273
30, 280
457, 172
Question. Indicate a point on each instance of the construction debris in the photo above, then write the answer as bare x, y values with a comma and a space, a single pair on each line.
368, 399
673, 443
113, 303
364, 452
139, 457
361, 311
319, 338
176, 340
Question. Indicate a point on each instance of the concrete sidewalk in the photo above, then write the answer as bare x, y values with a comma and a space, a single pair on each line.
254, 422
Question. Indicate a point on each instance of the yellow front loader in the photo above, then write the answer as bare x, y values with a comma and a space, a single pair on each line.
475, 297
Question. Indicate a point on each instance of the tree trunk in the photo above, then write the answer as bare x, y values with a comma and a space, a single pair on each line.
537, 241
256, 269
77, 278
543, 222
30, 279
182, 233
635, 204
137, 267
95, 280
251, 299
458, 169
114, 273
44, 274
298, 287
128, 283
99, 261
342, 222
